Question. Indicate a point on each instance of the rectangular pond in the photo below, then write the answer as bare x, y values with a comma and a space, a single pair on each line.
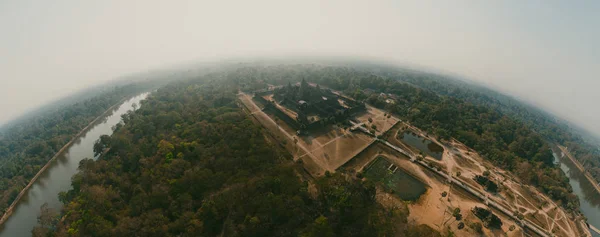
425, 145
393, 178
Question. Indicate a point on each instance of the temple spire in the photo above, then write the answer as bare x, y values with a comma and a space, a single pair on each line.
304, 90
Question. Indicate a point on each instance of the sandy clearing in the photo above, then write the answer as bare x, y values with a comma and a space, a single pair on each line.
512, 196
379, 119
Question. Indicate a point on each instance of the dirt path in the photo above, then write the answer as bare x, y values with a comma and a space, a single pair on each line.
264, 118
521, 202
549, 216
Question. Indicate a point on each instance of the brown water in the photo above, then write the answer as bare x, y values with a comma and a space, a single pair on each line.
57, 177
589, 198
405, 186
428, 147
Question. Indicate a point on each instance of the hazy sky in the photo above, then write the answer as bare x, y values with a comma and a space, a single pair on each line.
545, 52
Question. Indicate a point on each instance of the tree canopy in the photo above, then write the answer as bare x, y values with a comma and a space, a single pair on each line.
447, 109
189, 162
26, 146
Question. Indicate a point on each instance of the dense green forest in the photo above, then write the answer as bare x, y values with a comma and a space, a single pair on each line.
27, 145
190, 162
506, 141
582, 144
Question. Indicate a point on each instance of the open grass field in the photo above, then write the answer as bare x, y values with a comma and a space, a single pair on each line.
339, 150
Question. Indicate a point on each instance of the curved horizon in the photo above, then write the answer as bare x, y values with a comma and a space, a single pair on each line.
544, 53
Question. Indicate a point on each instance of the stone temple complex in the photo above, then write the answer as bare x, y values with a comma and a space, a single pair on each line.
305, 107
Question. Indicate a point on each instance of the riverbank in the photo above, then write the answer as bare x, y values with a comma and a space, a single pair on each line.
10, 209
579, 166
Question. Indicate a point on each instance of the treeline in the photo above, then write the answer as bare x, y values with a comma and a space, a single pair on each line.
27, 146
507, 142
189, 162
553, 129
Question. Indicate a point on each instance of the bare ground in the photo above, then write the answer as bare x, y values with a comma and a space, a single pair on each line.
379, 119
331, 149
458, 157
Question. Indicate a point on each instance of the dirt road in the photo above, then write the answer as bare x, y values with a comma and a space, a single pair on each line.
267, 122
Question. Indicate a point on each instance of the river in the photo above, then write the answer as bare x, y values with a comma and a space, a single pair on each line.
589, 198
57, 177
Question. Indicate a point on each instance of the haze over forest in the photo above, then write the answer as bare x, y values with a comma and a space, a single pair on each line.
543, 52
